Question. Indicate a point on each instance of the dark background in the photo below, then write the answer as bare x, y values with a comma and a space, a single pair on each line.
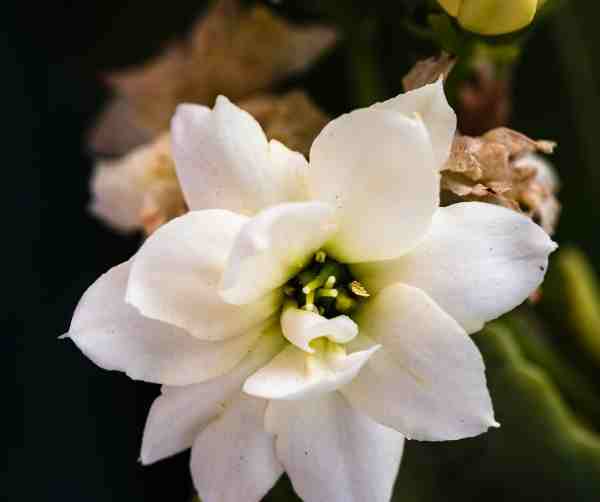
78, 435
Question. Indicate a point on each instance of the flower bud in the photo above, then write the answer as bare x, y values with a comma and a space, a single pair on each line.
492, 17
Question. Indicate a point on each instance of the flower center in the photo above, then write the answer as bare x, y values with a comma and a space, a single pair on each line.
327, 287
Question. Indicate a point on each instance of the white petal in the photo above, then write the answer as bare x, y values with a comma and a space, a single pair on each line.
117, 194
274, 246
223, 160
233, 459
376, 167
180, 413
430, 103
301, 327
115, 336
428, 379
289, 174
175, 276
478, 262
295, 374
332, 453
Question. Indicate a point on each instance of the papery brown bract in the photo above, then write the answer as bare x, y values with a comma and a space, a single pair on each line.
293, 119
427, 71
234, 50
499, 167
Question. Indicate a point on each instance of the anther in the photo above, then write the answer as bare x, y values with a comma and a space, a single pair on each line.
358, 289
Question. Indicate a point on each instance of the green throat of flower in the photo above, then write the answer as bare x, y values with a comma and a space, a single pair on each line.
326, 287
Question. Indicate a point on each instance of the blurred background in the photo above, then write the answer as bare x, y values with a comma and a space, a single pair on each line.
83, 424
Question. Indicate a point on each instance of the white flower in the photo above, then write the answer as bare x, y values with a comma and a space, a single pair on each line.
256, 315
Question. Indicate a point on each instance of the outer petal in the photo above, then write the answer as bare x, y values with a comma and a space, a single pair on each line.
294, 374
478, 262
428, 380
273, 246
302, 327
116, 337
376, 167
180, 413
332, 453
233, 459
175, 275
430, 103
224, 161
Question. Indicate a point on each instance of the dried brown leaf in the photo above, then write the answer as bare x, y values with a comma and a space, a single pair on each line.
503, 167
428, 71
234, 50
293, 119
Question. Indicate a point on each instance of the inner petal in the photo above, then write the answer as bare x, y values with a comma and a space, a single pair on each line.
295, 374
274, 246
301, 327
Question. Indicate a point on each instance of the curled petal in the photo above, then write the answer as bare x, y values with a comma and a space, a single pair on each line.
301, 327
175, 276
274, 246
294, 374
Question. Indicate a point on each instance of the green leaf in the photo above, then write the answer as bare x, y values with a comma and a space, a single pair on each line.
540, 452
572, 297
541, 349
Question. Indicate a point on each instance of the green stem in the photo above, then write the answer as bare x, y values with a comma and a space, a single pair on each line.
366, 80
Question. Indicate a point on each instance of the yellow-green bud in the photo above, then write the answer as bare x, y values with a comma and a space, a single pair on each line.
492, 17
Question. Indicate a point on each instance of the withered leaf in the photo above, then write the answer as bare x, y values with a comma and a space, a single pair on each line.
503, 167
234, 50
428, 71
